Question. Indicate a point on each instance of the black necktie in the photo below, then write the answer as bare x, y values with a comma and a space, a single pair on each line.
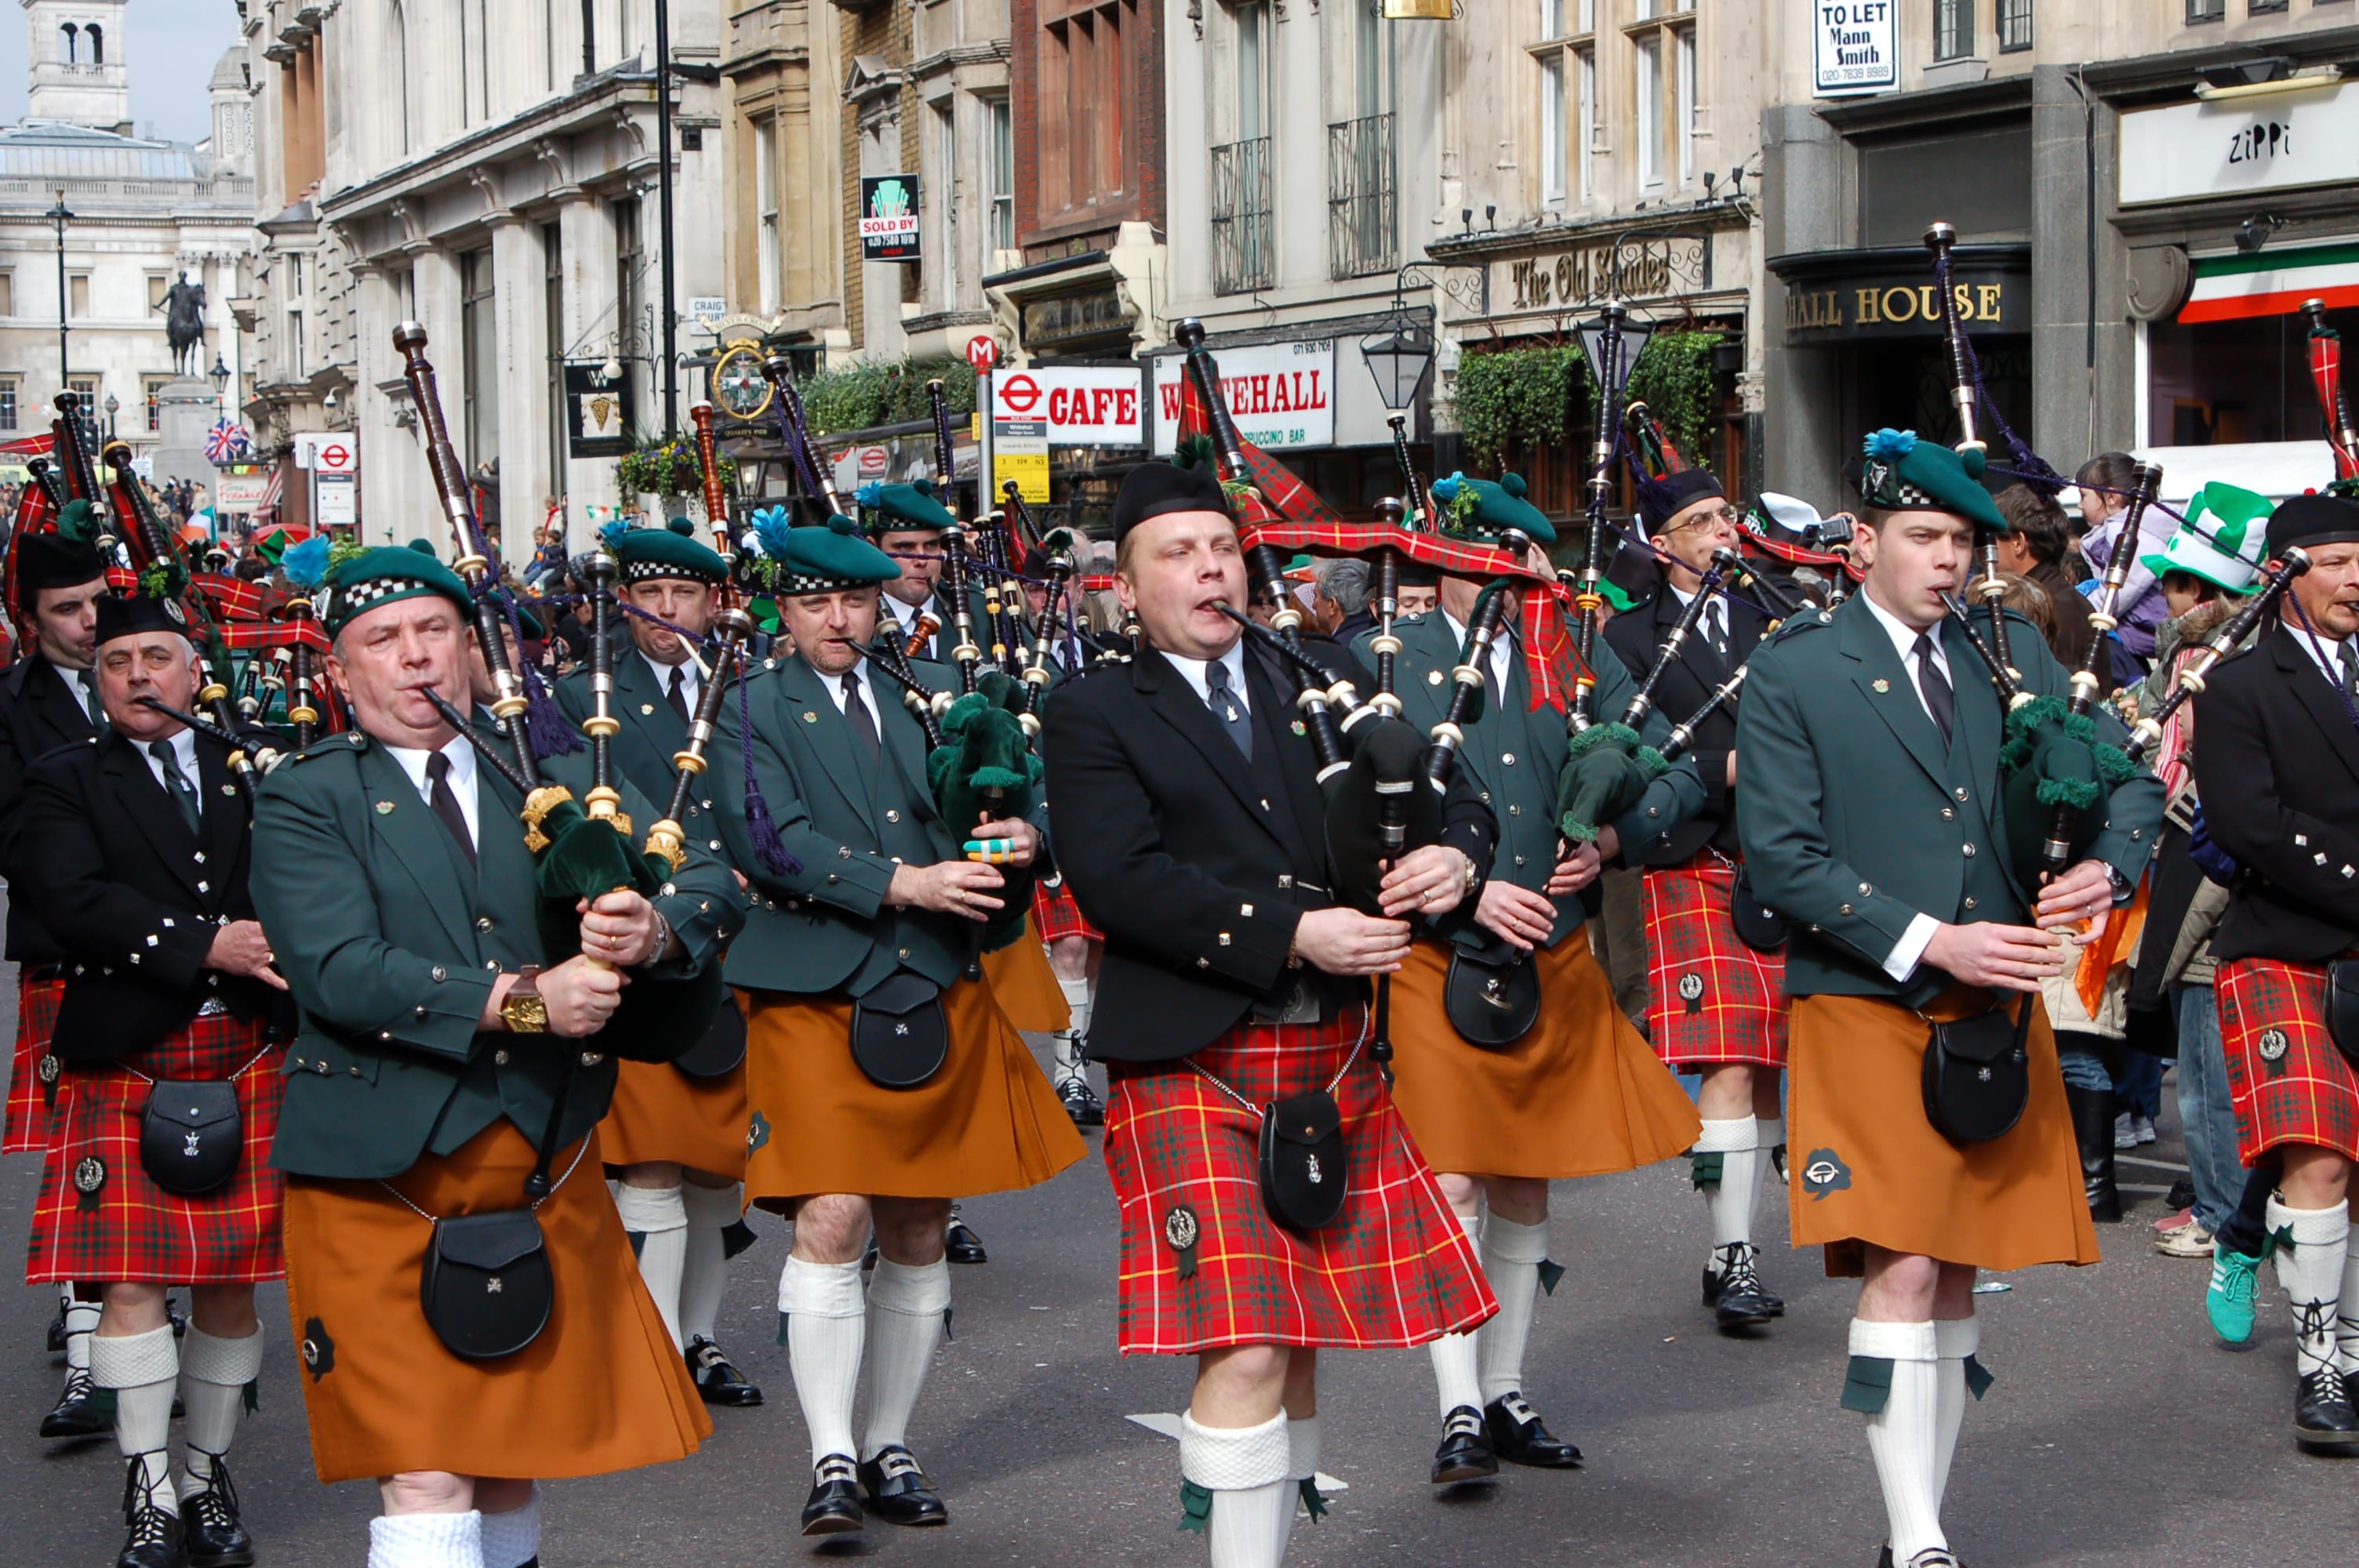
91, 707
176, 783
446, 804
677, 694
1934, 685
2349, 659
856, 714
1226, 708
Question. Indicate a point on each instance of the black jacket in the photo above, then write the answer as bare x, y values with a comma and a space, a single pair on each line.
132, 898
1196, 865
38, 715
1635, 635
2277, 766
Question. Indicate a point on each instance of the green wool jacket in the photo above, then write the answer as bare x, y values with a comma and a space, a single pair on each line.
651, 736
390, 943
827, 928
1856, 818
1517, 758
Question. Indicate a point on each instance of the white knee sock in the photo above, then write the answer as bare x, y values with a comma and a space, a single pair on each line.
1455, 1378
1512, 1255
1904, 1436
704, 1263
426, 1541
1731, 1201
213, 1376
1301, 1465
2311, 1271
143, 1369
1244, 1469
1078, 995
82, 1322
1772, 1133
905, 1323
826, 1325
656, 1218
1954, 1339
513, 1538
2346, 1312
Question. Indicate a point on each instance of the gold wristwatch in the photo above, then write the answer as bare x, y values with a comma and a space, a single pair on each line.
522, 1010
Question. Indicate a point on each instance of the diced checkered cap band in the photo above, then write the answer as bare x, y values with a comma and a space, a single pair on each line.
649, 571
1880, 485
340, 603
792, 585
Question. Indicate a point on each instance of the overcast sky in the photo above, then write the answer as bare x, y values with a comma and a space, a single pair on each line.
173, 46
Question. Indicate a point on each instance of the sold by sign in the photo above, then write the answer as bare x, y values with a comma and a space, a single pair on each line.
888, 217
1080, 406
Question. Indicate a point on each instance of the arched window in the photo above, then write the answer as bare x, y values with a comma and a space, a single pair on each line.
67, 37
97, 43
397, 27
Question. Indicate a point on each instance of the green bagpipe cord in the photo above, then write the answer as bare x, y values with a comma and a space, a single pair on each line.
1607, 770
985, 770
2072, 766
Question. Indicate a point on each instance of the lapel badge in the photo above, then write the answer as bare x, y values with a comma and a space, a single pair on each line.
1881, 685
1181, 1230
384, 808
1433, 677
809, 716
1299, 729
229, 789
646, 709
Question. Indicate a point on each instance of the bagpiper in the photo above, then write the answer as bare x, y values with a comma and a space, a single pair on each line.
1868, 805
1233, 990
1716, 1003
467, 1309
676, 1135
2276, 770
1567, 1090
906, 522
134, 853
49, 698
882, 1074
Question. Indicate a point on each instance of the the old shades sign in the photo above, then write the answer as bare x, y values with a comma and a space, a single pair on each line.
1589, 274
1281, 395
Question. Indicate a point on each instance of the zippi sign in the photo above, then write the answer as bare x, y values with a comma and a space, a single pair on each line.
1082, 405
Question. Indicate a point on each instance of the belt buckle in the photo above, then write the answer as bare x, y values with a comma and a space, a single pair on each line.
1299, 1004
213, 1008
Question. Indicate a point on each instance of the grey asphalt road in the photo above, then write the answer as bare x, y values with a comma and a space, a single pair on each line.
2118, 1433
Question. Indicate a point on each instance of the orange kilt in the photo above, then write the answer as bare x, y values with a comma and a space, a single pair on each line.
988, 1123
659, 1113
1580, 1094
601, 1390
1027, 985
1869, 1169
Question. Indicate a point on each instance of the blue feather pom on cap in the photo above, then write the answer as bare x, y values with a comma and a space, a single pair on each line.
1446, 490
869, 494
307, 563
611, 535
1890, 446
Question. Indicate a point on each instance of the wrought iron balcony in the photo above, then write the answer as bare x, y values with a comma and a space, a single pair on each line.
1362, 224
1243, 248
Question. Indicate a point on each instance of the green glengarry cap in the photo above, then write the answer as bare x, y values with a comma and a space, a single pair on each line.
1478, 511
1901, 473
646, 554
831, 558
896, 506
383, 575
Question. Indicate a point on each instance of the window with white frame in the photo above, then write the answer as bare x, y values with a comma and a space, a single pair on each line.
1552, 128
766, 189
1684, 44
1649, 104
1000, 232
1586, 134
8, 404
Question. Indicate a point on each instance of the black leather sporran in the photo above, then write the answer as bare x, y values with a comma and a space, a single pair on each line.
191, 1135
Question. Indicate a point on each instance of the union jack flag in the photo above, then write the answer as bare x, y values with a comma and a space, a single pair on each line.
226, 442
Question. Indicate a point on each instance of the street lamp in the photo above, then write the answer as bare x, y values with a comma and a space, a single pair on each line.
113, 407
1399, 358
219, 377
59, 217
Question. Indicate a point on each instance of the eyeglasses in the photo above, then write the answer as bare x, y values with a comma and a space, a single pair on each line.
1722, 516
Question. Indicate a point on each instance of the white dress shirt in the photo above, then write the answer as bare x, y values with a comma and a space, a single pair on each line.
1503, 649
463, 778
184, 756
1713, 627
1902, 961
85, 699
906, 615
1234, 661
691, 682
2324, 652
834, 685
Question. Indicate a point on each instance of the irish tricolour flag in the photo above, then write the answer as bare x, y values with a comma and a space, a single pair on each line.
2272, 283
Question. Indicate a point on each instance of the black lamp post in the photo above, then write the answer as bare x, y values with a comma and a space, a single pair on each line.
1399, 358
113, 407
219, 377
59, 217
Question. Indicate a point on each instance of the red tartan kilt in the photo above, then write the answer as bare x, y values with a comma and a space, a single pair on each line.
26, 1128
130, 1228
1394, 1269
1739, 1015
2288, 1083
1054, 916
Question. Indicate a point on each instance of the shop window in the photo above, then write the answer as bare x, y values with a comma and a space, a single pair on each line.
1953, 28
2013, 25
2214, 383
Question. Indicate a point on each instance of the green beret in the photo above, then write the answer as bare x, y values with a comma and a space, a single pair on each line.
1902, 473
646, 554
383, 575
912, 505
1478, 511
831, 558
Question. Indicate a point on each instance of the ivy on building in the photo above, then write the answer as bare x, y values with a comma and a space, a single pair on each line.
1509, 398
863, 395
667, 468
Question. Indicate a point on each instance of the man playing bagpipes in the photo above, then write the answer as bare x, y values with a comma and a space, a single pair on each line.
2277, 768
883, 1076
1927, 1112
1272, 1201
47, 700
906, 522
677, 1130
467, 1307
1515, 1068
1716, 1003
134, 853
